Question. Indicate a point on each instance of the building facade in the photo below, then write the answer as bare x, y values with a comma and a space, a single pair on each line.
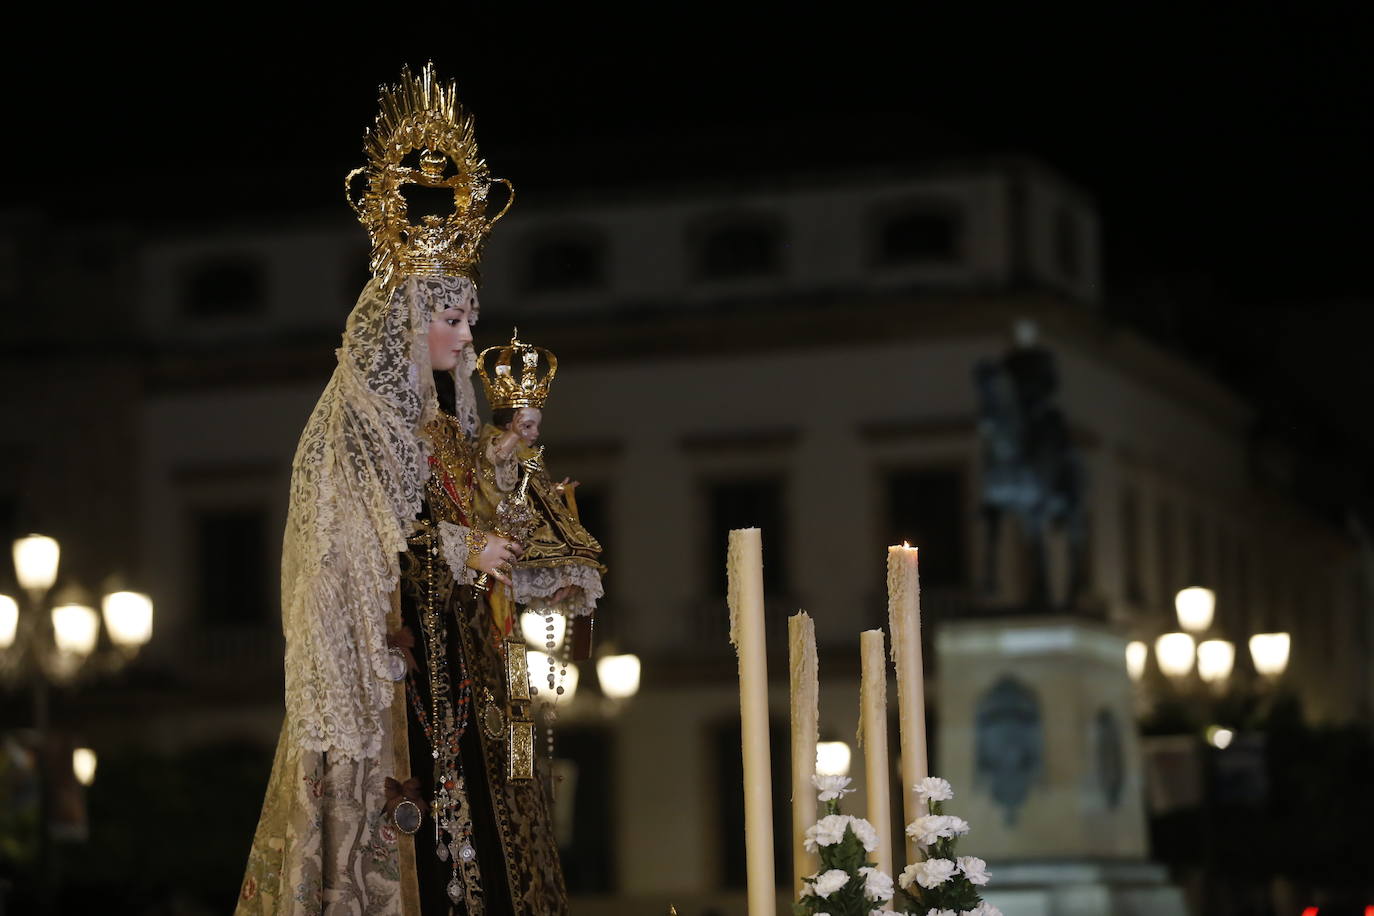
798, 357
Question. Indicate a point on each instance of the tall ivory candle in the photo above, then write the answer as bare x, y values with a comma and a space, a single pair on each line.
873, 736
904, 619
744, 568
801, 644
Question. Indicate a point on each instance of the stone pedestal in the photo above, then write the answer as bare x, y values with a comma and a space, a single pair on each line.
1037, 734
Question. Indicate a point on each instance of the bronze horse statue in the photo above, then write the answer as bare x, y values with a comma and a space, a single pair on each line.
1030, 468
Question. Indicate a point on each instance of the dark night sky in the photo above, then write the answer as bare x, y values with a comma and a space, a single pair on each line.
1228, 147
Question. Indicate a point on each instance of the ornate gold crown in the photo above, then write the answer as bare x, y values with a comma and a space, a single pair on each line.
503, 388
422, 116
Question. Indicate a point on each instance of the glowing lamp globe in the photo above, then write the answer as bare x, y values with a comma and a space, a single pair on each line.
9, 621
83, 765
35, 562
128, 618
1215, 659
1195, 608
1269, 652
1220, 737
832, 758
535, 628
618, 675
1175, 652
76, 628
539, 677
1136, 654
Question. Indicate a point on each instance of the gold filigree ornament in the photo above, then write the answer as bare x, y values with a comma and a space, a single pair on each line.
503, 388
424, 138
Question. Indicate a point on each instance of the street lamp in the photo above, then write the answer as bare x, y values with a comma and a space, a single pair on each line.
32, 650
42, 644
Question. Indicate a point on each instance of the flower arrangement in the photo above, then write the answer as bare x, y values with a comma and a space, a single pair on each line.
943, 884
847, 884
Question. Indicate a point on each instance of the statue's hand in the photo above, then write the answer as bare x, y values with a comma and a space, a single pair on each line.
564, 593
497, 556
504, 446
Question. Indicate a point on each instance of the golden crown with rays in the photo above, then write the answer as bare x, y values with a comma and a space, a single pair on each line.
502, 386
424, 137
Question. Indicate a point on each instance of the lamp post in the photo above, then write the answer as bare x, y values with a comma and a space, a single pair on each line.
1206, 707
43, 643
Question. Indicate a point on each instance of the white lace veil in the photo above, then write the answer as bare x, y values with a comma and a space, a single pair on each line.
357, 482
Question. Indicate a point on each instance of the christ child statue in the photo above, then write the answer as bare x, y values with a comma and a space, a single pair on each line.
560, 567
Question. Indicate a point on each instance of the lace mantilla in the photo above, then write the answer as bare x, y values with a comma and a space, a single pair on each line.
356, 486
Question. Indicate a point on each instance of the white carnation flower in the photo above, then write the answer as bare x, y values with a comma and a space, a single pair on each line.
984, 909
933, 788
934, 872
877, 884
827, 831
974, 868
934, 912
831, 787
865, 832
907, 876
829, 882
931, 827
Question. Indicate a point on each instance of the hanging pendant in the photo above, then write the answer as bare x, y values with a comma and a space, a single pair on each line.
455, 891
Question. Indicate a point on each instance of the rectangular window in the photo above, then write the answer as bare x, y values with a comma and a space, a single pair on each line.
566, 263
925, 233
232, 565
729, 802
583, 806
748, 503
747, 248
224, 287
926, 508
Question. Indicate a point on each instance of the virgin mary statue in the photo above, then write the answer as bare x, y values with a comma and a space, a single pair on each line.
403, 779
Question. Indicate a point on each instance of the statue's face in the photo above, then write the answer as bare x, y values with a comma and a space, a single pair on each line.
526, 424
450, 332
